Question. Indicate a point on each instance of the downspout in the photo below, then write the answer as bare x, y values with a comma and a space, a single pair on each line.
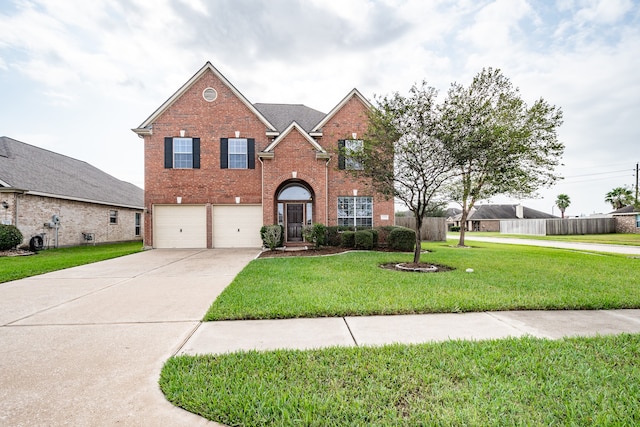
326, 192
262, 187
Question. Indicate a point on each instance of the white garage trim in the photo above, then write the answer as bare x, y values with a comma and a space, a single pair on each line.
180, 226
237, 226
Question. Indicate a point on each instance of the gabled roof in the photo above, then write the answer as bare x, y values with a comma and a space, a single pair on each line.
282, 115
38, 171
287, 131
629, 209
506, 212
354, 93
145, 128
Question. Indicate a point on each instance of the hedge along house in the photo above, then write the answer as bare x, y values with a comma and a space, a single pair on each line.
218, 168
60, 201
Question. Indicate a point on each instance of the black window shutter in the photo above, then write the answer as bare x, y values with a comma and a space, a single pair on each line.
196, 153
224, 153
251, 153
341, 154
168, 152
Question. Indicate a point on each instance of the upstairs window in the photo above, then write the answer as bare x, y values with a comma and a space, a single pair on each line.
349, 149
181, 153
237, 153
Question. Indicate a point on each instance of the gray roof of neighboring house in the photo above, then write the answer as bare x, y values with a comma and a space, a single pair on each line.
282, 115
506, 212
26, 167
626, 210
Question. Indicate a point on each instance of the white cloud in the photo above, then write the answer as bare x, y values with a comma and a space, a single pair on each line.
105, 65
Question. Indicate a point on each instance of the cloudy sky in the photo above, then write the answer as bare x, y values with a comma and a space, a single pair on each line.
77, 75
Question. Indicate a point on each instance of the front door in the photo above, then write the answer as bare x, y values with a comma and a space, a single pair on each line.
295, 220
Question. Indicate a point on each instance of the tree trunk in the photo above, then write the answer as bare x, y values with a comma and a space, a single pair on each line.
418, 248
463, 223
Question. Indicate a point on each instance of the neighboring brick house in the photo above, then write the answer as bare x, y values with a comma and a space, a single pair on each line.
627, 219
217, 167
61, 201
487, 217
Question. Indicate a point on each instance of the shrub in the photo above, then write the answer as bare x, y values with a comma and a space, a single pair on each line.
272, 236
455, 228
374, 235
383, 234
333, 236
402, 239
363, 239
10, 237
315, 234
348, 239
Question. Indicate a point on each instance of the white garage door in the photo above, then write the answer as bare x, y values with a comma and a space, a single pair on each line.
237, 226
180, 226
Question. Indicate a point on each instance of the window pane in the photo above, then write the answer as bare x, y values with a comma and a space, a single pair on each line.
237, 153
182, 153
309, 213
280, 213
352, 146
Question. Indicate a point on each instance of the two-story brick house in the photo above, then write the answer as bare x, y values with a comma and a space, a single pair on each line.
217, 167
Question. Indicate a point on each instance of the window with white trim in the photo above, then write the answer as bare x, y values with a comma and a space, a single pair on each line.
237, 153
638, 221
355, 211
138, 224
113, 217
182, 153
352, 147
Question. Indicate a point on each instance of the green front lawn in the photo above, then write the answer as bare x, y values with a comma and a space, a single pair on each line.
13, 268
505, 277
580, 381
526, 381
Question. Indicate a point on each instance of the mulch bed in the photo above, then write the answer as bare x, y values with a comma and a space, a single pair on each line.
409, 267
15, 252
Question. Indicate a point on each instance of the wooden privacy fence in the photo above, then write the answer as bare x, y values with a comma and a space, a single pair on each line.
554, 227
433, 229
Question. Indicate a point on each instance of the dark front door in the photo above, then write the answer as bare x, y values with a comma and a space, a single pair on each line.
295, 220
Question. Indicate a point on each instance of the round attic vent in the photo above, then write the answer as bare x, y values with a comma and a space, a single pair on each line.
209, 94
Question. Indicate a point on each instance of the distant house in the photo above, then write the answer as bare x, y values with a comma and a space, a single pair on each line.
56, 200
627, 219
487, 217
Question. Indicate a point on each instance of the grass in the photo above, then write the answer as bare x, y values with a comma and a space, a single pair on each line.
527, 381
608, 239
505, 277
19, 267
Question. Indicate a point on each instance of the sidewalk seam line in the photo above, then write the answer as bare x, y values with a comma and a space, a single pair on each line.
355, 341
188, 337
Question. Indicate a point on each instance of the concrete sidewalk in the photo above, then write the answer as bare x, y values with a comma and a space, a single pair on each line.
596, 247
230, 336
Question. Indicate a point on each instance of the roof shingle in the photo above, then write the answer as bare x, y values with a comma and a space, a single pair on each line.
26, 167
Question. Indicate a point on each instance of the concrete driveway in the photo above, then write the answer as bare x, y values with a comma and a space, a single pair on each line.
84, 346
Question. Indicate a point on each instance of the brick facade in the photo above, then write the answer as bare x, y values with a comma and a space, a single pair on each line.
627, 223
227, 116
30, 213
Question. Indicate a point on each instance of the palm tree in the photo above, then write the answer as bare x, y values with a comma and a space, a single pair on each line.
619, 197
563, 202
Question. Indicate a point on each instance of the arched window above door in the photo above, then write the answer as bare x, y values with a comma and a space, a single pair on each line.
294, 192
